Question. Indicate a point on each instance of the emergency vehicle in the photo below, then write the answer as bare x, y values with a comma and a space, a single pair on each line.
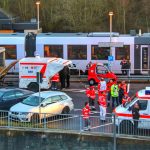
98, 71
124, 112
48, 67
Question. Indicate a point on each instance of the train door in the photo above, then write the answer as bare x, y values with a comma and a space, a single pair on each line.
144, 59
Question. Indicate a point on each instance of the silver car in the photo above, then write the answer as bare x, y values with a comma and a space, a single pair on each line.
43, 105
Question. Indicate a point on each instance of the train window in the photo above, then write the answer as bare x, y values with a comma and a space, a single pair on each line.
53, 51
77, 52
10, 51
123, 52
99, 53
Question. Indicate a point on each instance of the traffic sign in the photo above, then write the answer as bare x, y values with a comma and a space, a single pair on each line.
110, 58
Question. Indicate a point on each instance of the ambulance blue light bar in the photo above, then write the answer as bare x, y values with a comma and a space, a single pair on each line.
147, 91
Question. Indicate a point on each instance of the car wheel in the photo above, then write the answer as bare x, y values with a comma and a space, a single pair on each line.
91, 82
126, 127
35, 118
33, 87
66, 110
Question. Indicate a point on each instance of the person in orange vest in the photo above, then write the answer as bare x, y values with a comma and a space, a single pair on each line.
102, 105
102, 86
91, 94
109, 84
55, 79
125, 98
122, 90
86, 116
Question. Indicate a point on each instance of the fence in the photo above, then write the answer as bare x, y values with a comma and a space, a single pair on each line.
74, 122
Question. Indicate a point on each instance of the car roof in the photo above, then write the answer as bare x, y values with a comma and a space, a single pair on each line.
11, 89
46, 94
141, 94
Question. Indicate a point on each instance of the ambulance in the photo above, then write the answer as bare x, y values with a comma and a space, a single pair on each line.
97, 71
48, 67
123, 113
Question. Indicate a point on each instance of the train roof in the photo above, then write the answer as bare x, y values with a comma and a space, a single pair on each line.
91, 34
12, 34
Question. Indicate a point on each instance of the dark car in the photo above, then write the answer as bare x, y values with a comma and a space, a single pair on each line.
12, 96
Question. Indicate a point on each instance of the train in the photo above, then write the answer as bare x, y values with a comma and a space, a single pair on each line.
81, 48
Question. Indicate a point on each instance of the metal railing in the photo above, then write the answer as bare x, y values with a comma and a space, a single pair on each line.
112, 126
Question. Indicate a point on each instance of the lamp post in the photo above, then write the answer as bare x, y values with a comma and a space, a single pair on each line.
38, 14
110, 21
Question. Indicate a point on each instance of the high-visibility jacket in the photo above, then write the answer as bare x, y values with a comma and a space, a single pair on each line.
55, 78
102, 100
86, 112
123, 86
114, 90
91, 93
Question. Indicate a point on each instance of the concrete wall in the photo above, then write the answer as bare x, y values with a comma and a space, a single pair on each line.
25, 140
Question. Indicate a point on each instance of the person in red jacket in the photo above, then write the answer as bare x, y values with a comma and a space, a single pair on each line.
125, 98
102, 86
122, 90
91, 94
55, 79
109, 84
102, 105
86, 116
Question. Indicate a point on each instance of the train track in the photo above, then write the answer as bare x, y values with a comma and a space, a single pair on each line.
13, 79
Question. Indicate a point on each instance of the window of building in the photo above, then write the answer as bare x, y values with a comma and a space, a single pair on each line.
77, 52
99, 53
123, 52
10, 51
53, 51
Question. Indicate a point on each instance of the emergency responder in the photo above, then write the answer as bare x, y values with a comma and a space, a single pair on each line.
62, 75
91, 94
114, 94
109, 84
55, 79
102, 105
136, 116
102, 86
86, 116
125, 98
123, 64
87, 67
122, 90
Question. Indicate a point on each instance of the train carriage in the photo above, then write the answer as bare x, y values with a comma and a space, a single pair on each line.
81, 48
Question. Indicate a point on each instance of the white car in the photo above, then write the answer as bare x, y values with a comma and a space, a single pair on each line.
33, 108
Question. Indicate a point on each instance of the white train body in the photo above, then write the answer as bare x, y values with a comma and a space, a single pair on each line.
71, 45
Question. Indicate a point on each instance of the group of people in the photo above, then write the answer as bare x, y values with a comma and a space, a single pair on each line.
125, 66
106, 92
63, 77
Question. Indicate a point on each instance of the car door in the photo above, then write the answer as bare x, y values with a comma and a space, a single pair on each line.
8, 100
51, 106
144, 114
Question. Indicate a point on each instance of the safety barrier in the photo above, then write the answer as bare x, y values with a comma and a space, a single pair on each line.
74, 122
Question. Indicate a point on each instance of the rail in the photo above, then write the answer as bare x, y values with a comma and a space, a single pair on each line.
113, 126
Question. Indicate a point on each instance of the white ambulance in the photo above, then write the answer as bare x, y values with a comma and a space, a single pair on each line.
48, 67
124, 112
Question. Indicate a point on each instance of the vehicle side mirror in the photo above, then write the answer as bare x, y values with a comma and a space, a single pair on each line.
130, 108
42, 105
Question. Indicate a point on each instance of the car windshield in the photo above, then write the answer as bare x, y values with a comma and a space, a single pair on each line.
1, 93
32, 100
128, 104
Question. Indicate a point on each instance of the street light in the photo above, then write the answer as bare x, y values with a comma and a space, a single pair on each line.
110, 17
38, 15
